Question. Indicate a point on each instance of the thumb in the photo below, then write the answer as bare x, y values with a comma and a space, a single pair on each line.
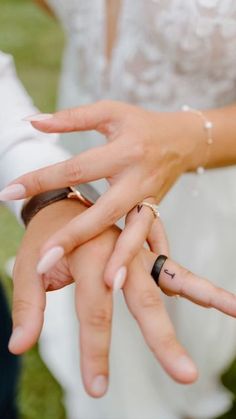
95, 116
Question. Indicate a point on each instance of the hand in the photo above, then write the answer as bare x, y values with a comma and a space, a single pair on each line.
94, 298
146, 153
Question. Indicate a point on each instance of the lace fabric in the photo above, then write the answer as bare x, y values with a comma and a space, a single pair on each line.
166, 51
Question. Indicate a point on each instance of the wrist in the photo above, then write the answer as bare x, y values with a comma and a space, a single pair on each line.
57, 214
84, 193
192, 141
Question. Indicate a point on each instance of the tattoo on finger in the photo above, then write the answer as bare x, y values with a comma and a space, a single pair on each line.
172, 275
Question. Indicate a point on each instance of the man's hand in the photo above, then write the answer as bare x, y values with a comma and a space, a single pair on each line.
85, 265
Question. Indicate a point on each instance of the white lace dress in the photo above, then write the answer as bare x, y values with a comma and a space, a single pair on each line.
167, 53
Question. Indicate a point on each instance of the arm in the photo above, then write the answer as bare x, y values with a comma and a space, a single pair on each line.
22, 148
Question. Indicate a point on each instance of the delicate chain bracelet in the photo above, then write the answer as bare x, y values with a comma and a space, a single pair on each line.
208, 126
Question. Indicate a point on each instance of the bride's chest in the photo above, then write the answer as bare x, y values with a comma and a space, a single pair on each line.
189, 34
151, 17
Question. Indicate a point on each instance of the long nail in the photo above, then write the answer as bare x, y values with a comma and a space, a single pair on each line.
49, 259
185, 364
99, 385
11, 192
16, 337
119, 279
38, 117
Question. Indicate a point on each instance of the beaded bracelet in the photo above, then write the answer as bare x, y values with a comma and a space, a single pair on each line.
208, 126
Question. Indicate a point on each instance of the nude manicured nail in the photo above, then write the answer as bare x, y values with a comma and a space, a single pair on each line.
16, 191
38, 117
119, 279
50, 258
186, 364
16, 337
99, 385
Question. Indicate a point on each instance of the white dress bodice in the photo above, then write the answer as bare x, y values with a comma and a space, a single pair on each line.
166, 52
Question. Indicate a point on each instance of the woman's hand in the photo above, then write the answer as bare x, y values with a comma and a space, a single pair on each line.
146, 153
85, 265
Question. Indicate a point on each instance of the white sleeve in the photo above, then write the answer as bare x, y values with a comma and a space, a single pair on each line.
22, 148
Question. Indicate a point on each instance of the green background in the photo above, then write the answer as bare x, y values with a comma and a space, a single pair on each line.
36, 41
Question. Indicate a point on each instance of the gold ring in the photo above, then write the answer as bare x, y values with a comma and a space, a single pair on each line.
154, 208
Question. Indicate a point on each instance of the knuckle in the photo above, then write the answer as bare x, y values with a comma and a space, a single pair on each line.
113, 214
98, 356
149, 299
167, 341
71, 115
138, 151
73, 170
210, 295
69, 239
99, 319
84, 118
21, 306
38, 182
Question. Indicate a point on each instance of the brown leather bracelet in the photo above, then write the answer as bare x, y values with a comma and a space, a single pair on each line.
86, 194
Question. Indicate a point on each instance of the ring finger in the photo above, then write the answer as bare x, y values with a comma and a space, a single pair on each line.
138, 225
144, 301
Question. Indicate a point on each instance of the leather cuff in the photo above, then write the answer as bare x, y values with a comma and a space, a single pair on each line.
86, 194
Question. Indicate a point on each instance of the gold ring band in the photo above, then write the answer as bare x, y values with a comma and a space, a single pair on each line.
154, 208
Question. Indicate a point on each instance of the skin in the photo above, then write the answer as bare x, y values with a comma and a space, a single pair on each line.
145, 155
94, 299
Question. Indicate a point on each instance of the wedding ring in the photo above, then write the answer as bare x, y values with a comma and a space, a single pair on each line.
157, 267
154, 208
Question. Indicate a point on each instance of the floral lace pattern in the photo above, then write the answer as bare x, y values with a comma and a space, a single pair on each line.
168, 52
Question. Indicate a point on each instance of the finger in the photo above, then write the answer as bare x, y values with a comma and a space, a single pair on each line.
145, 303
95, 116
130, 241
109, 208
94, 309
28, 305
97, 163
178, 280
157, 238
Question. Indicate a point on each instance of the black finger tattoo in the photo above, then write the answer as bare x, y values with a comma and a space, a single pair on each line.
169, 273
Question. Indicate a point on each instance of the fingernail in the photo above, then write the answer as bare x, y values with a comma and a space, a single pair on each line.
186, 364
38, 117
16, 191
119, 279
50, 258
16, 337
99, 385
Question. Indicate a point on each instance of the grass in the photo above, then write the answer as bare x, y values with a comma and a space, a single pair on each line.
35, 40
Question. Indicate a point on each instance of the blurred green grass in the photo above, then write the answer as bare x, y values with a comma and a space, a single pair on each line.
36, 40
